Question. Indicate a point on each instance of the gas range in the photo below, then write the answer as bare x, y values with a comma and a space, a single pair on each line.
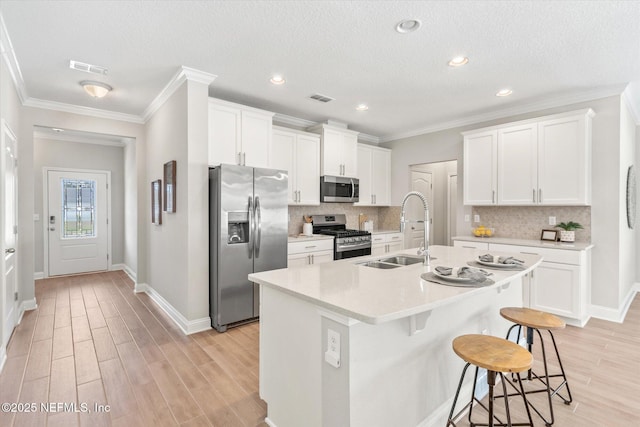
347, 243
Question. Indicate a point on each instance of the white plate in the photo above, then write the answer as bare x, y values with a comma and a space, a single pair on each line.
453, 277
497, 264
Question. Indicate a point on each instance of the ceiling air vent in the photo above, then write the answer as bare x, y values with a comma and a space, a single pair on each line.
87, 68
321, 98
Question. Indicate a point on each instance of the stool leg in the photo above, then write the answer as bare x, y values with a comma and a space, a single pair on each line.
524, 398
491, 380
473, 395
548, 383
506, 398
564, 376
530, 346
455, 399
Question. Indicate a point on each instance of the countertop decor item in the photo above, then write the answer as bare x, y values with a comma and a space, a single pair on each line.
483, 231
631, 197
549, 235
568, 232
307, 227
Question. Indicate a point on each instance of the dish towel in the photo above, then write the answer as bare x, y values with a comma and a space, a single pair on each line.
475, 274
501, 260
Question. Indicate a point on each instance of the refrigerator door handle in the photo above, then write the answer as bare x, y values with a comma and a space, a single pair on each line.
258, 221
251, 222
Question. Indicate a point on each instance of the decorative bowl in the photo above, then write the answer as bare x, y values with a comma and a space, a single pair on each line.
483, 231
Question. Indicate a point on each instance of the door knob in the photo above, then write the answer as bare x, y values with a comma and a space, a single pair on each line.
52, 228
10, 250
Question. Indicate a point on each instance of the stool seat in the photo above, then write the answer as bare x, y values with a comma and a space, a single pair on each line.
532, 318
492, 353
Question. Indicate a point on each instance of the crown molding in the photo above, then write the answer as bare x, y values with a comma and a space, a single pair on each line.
85, 139
85, 111
9, 57
368, 138
183, 74
292, 121
508, 112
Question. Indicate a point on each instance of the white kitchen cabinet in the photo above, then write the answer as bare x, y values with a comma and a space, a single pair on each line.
480, 157
299, 154
560, 285
308, 252
542, 161
374, 173
382, 243
338, 151
239, 135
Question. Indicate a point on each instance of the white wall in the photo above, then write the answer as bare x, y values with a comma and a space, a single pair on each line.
606, 206
177, 262
627, 236
130, 237
65, 154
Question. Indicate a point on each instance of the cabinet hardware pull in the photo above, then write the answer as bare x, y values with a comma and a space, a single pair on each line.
309, 259
493, 196
469, 247
299, 196
530, 253
312, 259
375, 201
239, 156
534, 195
395, 237
540, 195
309, 247
244, 159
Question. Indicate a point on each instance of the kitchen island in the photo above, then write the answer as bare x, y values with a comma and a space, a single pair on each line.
344, 344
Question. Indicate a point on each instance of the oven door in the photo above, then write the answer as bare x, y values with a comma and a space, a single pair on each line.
339, 189
351, 251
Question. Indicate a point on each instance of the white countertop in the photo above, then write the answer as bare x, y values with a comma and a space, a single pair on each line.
374, 295
303, 238
576, 246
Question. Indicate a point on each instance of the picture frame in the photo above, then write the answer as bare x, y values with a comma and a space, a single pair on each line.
156, 202
549, 235
169, 189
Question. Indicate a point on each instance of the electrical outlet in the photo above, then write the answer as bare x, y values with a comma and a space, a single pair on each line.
476, 218
332, 355
467, 218
552, 220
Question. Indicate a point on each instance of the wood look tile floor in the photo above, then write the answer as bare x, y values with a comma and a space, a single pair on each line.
93, 341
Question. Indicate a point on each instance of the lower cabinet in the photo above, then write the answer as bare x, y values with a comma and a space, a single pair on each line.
382, 243
309, 252
471, 245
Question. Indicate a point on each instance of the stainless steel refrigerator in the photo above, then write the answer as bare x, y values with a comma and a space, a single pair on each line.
248, 216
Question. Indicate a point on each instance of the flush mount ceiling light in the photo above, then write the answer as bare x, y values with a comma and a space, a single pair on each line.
95, 89
458, 61
408, 25
277, 80
504, 92
362, 107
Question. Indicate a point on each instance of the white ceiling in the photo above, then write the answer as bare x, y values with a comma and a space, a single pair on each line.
546, 51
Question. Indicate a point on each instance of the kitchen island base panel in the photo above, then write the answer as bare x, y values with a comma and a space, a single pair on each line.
385, 377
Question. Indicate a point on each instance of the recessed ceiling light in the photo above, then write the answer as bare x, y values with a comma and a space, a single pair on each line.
408, 25
96, 89
458, 61
277, 80
362, 107
504, 92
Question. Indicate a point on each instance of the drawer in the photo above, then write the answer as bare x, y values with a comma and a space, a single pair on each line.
471, 245
310, 246
561, 256
387, 238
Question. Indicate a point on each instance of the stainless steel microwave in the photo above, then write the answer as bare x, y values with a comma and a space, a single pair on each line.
339, 189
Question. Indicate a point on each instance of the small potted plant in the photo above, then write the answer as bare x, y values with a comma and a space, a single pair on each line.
568, 232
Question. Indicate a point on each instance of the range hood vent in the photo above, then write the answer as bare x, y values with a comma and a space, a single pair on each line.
321, 98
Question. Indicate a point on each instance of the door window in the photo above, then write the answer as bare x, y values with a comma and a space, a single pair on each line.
78, 208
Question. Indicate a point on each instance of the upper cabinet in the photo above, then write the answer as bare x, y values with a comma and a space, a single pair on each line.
299, 154
338, 151
374, 173
544, 161
239, 135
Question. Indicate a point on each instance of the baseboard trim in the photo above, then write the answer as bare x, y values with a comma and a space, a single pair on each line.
612, 314
3, 357
26, 305
38, 275
439, 416
140, 287
126, 269
270, 423
187, 326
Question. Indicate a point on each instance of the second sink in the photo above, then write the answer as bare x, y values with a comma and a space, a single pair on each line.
403, 259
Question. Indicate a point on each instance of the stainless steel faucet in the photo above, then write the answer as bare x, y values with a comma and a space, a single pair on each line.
424, 250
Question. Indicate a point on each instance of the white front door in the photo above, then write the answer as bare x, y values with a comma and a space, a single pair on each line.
414, 232
9, 224
77, 222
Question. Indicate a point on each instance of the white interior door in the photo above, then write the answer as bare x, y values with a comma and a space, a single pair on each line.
9, 232
77, 222
414, 233
452, 208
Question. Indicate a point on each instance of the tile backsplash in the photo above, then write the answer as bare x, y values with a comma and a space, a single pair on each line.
527, 222
384, 218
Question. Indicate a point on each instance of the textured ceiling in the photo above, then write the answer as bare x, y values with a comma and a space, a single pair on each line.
348, 50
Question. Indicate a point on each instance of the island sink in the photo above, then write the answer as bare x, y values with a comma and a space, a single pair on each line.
403, 260
379, 264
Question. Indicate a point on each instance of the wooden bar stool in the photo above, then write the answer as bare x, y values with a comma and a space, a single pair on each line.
534, 320
496, 355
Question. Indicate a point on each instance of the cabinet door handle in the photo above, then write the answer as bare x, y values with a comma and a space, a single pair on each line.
244, 159
299, 196
313, 260
539, 195
469, 247
530, 253
375, 202
239, 157
534, 195
309, 259
309, 247
395, 237
493, 196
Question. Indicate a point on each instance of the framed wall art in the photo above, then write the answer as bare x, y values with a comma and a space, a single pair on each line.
156, 202
169, 191
549, 235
